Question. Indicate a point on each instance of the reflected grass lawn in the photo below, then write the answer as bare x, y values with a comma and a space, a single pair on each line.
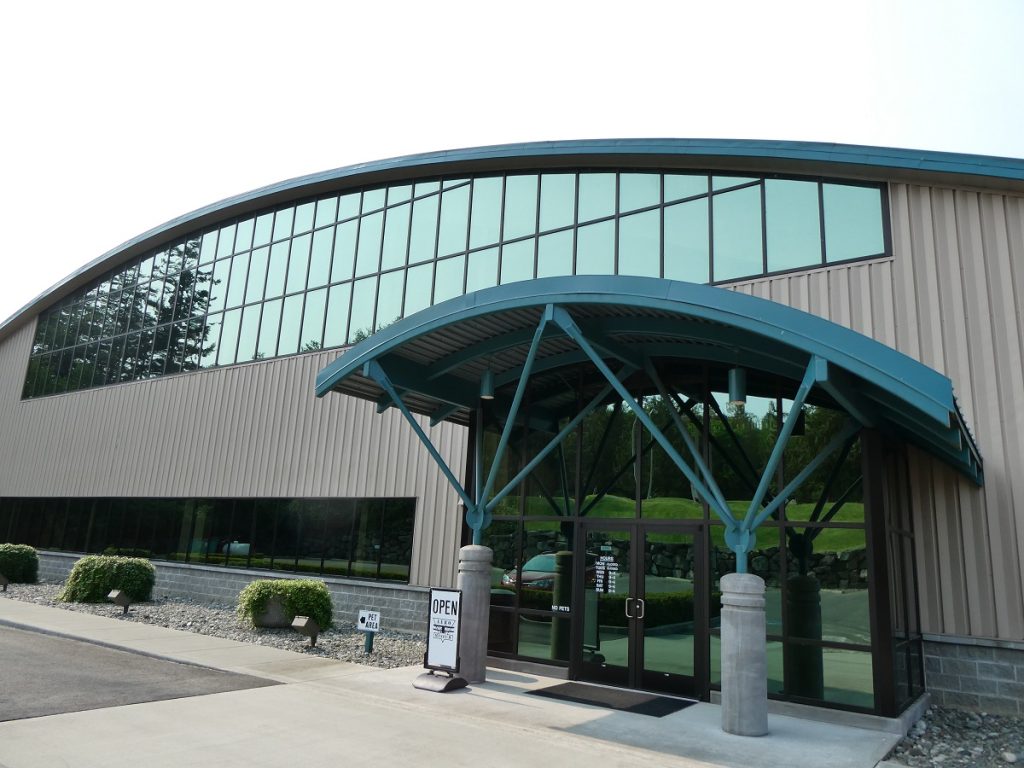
674, 508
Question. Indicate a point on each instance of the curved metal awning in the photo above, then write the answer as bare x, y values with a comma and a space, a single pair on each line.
436, 359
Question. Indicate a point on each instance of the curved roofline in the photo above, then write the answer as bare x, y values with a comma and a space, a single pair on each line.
763, 156
888, 380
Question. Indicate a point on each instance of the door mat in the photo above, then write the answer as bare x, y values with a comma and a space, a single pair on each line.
614, 698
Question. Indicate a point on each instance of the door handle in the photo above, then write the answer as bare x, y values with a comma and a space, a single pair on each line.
643, 607
626, 604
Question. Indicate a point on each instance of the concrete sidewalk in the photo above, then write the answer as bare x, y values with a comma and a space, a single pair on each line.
329, 711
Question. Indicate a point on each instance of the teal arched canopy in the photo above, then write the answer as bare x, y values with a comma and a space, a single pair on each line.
437, 358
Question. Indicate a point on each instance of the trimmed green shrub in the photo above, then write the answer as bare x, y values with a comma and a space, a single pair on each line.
94, 576
299, 597
19, 563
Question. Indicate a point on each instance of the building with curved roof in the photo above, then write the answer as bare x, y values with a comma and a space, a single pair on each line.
628, 367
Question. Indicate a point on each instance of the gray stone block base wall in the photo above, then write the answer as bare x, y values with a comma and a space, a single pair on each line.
402, 608
975, 674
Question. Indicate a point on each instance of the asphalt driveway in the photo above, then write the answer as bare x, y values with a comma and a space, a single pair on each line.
47, 675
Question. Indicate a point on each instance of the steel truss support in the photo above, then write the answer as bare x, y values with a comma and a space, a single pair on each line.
740, 533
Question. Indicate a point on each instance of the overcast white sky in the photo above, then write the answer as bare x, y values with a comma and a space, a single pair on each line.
117, 116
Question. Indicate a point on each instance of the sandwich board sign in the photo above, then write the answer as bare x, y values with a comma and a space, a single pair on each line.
443, 630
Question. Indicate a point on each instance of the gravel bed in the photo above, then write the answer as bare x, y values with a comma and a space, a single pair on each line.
390, 649
952, 737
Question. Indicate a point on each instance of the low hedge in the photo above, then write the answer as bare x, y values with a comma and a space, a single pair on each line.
92, 578
299, 597
19, 563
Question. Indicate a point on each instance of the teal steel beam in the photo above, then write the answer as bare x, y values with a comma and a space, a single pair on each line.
849, 432
832, 477
684, 433
554, 442
780, 442
564, 319
843, 392
374, 371
812, 533
478, 517
517, 400
443, 413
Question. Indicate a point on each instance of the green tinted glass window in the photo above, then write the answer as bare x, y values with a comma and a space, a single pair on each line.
595, 249
680, 186
454, 221
448, 278
389, 298
554, 254
236, 283
264, 227
426, 187
418, 284
313, 320
557, 200
336, 329
686, 241
399, 194
727, 182
291, 324
638, 190
229, 337
348, 206
364, 295
219, 288
249, 334
320, 257
737, 233
482, 270
212, 334
793, 235
326, 212
371, 230
520, 206
303, 218
640, 244
517, 261
298, 264
270, 324
373, 199
283, 223
486, 219
853, 222
243, 235
396, 236
344, 251
597, 196
207, 250
225, 243
424, 229
277, 269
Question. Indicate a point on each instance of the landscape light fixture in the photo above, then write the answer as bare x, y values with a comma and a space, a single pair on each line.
737, 386
4, 581
118, 597
487, 385
304, 625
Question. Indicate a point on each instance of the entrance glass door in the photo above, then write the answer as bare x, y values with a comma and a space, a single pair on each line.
642, 620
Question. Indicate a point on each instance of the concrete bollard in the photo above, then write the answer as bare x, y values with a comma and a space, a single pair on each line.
744, 663
475, 583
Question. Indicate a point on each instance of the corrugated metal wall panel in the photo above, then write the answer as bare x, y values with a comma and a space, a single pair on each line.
952, 298
251, 430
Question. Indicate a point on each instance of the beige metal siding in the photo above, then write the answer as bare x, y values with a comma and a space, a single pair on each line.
249, 431
952, 298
